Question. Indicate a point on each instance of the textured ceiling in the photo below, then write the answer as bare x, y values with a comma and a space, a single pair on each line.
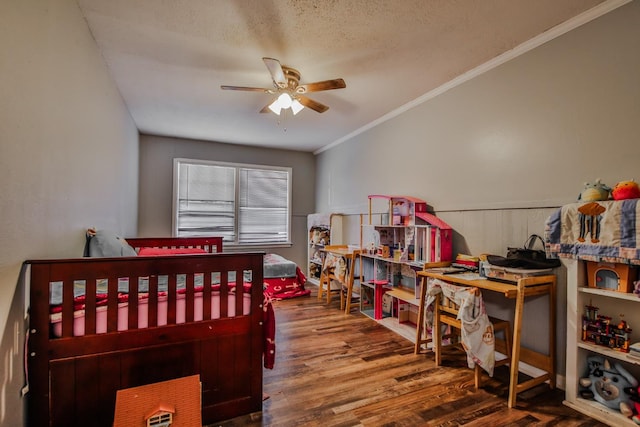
169, 58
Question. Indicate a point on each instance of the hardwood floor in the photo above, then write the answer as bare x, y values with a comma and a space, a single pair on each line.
334, 369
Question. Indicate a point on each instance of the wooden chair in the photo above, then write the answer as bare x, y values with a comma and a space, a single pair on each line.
327, 275
446, 313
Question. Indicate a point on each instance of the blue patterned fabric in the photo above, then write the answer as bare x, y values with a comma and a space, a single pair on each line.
595, 231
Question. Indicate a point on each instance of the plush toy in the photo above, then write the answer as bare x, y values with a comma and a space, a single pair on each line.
314, 270
319, 235
324, 237
626, 190
607, 384
634, 394
594, 192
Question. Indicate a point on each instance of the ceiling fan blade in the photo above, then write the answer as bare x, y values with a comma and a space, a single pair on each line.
266, 109
314, 105
245, 88
277, 74
324, 85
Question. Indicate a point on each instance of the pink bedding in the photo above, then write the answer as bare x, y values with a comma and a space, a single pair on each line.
123, 298
170, 251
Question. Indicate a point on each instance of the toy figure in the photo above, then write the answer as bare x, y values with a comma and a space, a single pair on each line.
594, 192
319, 235
607, 384
634, 394
626, 190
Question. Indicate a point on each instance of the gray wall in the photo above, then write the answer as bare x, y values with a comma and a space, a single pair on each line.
491, 154
68, 158
156, 183
528, 133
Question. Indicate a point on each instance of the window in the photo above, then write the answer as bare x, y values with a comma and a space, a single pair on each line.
245, 204
163, 419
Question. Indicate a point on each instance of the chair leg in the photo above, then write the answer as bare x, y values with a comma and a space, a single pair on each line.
351, 266
347, 297
321, 284
329, 290
504, 327
499, 326
436, 333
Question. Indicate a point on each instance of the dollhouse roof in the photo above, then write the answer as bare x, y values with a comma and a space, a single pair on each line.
420, 209
180, 397
409, 198
433, 220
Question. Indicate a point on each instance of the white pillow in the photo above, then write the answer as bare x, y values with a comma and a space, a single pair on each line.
107, 244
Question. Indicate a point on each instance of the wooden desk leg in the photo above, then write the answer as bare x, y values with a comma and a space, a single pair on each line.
436, 333
515, 351
552, 333
421, 314
347, 304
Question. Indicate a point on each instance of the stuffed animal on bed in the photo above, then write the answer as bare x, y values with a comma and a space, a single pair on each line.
594, 192
607, 384
103, 243
626, 190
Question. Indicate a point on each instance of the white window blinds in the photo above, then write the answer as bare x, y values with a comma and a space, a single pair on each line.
243, 204
263, 206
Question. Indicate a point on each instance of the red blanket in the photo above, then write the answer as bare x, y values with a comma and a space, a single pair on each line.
286, 287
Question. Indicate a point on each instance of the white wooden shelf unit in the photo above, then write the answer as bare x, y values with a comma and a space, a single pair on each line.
323, 229
611, 303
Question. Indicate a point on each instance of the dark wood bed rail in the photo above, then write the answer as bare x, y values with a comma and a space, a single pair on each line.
73, 379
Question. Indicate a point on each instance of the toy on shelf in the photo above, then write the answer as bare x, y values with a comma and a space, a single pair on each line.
611, 276
319, 235
606, 384
600, 330
626, 190
594, 192
466, 262
634, 395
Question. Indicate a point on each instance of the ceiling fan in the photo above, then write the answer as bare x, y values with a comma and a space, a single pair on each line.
291, 94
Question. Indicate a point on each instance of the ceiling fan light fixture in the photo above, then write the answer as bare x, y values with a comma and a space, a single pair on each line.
296, 106
275, 107
284, 100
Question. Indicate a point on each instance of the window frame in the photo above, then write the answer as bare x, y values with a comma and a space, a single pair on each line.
237, 167
160, 419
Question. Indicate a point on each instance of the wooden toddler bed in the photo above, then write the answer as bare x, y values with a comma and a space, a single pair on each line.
98, 325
